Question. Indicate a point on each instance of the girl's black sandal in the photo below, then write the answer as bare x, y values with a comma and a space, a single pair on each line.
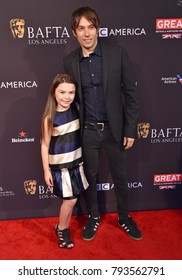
64, 238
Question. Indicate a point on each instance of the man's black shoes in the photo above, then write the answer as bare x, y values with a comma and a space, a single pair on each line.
89, 230
127, 224
130, 227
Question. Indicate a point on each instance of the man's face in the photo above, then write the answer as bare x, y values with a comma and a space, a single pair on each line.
86, 35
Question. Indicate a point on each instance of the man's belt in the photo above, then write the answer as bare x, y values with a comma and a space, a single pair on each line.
96, 125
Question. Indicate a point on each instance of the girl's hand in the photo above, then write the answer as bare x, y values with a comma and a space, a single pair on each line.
48, 178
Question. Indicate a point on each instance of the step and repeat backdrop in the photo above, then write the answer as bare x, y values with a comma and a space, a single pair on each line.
34, 38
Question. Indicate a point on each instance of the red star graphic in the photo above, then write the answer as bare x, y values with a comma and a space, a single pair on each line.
22, 133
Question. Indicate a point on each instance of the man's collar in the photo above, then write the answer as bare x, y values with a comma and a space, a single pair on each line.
97, 51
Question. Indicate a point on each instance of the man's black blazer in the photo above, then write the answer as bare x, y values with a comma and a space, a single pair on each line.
121, 100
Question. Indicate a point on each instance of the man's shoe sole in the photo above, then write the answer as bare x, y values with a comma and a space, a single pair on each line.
88, 239
134, 238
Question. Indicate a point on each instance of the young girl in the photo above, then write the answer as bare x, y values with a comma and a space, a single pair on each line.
61, 151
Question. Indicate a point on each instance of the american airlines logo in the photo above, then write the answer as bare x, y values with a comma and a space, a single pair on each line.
172, 80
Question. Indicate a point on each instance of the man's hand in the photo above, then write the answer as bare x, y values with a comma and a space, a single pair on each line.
128, 142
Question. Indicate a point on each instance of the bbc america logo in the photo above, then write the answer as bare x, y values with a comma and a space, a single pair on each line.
103, 32
105, 187
110, 186
106, 32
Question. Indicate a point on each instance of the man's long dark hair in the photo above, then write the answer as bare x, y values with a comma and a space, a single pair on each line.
86, 12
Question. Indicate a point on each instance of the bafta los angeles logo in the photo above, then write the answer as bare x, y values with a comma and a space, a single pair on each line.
30, 187
143, 130
17, 27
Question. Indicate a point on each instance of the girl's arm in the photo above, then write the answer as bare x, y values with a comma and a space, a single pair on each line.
45, 155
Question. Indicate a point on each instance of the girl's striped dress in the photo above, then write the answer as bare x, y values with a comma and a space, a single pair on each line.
65, 155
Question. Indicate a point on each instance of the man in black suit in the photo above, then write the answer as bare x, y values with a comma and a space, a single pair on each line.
108, 113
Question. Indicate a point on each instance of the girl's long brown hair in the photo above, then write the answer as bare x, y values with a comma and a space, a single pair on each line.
51, 104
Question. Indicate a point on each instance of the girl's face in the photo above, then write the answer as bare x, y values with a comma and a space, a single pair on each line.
64, 94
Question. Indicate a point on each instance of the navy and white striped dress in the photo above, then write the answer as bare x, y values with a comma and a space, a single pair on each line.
65, 155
